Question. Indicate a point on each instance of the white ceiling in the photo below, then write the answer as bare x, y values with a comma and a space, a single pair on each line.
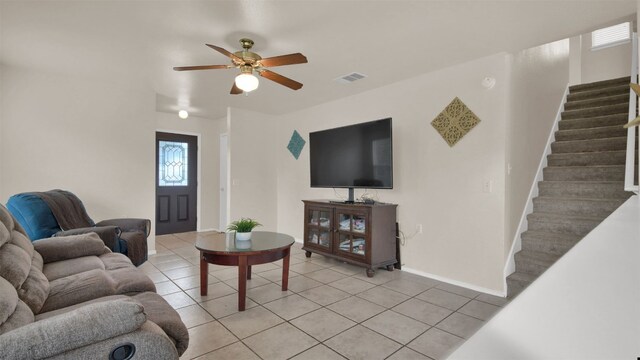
140, 41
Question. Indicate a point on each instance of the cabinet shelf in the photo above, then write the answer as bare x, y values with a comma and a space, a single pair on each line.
361, 234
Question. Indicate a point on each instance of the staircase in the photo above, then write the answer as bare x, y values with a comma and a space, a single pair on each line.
583, 181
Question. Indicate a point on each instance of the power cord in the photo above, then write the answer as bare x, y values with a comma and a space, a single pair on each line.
402, 238
335, 192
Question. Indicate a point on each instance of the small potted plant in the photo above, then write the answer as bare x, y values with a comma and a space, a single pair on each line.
243, 228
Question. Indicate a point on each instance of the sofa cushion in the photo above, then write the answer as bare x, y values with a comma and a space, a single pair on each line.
77, 288
59, 269
70, 247
21, 266
34, 215
15, 264
20, 317
8, 300
35, 289
128, 281
113, 261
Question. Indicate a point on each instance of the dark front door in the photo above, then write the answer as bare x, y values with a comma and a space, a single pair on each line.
176, 183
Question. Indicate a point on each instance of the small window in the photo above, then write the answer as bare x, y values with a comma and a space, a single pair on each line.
611, 36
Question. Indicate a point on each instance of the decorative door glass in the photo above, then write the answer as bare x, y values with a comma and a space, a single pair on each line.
173, 163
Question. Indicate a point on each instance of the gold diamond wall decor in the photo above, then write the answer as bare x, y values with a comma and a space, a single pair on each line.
455, 121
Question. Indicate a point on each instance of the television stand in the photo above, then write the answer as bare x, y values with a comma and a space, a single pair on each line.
360, 234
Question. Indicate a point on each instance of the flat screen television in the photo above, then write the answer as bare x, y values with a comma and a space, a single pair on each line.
354, 156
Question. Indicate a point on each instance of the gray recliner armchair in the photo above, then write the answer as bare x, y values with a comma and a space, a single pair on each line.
60, 213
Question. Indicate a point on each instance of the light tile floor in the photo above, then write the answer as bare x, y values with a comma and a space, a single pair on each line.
332, 310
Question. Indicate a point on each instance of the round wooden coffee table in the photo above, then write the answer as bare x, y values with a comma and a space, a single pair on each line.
224, 249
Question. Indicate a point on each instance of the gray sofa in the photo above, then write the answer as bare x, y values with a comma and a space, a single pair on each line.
70, 297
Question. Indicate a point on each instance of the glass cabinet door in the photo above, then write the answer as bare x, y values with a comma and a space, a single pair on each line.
352, 229
319, 225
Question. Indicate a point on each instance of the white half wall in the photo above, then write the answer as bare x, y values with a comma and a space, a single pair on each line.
91, 137
437, 186
253, 166
585, 306
209, 131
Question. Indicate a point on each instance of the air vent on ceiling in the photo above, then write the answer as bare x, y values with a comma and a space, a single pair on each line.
349, 78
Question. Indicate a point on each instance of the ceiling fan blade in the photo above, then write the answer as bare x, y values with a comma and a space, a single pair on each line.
235, 90
225, 52
201, 67
282, 80
281, 60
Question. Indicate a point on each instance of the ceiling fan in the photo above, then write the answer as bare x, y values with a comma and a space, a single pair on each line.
248, 62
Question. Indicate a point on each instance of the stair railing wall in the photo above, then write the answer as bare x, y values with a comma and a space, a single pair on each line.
630, 165
516, 245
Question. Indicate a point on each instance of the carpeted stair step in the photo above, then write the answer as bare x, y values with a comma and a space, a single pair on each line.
599, 92
600, 84
574, 146
599, 121
588, 189
596, 111
534, 262
563, 224
617, 157
584, 173
600, 208
591, 133
547, 242
597, 102
517, 282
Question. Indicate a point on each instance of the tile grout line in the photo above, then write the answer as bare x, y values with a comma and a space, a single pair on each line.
323, 267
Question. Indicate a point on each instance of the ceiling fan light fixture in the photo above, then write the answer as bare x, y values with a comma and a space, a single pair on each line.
247, 82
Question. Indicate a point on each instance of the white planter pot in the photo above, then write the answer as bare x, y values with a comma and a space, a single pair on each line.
243, 236
243, 244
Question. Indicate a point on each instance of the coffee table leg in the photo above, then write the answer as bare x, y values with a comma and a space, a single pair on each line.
285, 270
242, 282
249, 272
204, 274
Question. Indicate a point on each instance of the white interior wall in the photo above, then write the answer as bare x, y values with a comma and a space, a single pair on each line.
91, 137
575, 60
253, 191
435, 185
208, 131
539, 79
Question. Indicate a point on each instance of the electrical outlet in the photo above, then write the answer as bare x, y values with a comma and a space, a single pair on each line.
419, 228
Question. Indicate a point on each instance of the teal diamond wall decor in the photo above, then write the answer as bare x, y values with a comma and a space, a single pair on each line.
296, 144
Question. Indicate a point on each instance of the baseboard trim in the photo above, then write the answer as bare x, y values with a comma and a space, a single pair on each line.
455, 282
210, 229
152, 252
